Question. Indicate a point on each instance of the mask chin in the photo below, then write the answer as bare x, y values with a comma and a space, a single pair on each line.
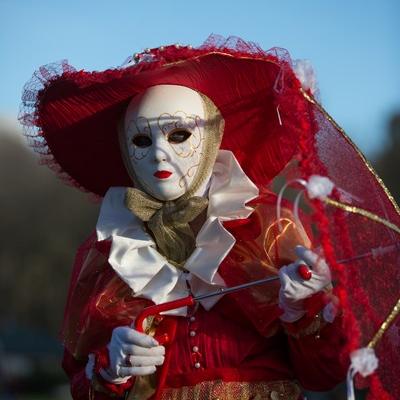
170, 137
165, 192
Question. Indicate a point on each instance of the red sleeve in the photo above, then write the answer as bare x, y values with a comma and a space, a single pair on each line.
96, 389
317, 358
317, 348
83, 332
80, 385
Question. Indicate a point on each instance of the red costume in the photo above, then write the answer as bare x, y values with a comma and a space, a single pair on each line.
239, 349
239, 346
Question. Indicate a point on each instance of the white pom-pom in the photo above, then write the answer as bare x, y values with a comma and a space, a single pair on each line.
319, 187
364, 361
305, 74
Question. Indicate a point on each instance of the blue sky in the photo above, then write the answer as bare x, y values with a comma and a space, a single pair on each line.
354, 46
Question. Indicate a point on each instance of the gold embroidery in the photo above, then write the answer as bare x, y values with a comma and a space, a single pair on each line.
219, 390
182, 121
314, 328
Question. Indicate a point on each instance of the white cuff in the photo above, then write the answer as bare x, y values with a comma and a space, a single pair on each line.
329, 312
90, 366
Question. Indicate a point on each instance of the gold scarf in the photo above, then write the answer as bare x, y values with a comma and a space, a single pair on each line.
168, 221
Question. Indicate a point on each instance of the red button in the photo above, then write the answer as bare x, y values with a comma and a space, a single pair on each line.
304, 272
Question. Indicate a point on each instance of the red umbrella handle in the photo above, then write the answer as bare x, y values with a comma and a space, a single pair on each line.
159, 308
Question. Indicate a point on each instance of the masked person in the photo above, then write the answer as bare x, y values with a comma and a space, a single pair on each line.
182, 144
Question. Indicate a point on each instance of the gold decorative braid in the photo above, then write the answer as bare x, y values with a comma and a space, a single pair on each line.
312, 100
168, 221
314, 328
385, 325
219, 390
364, 213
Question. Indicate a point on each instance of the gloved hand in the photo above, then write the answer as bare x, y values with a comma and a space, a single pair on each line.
131, 353
294, 289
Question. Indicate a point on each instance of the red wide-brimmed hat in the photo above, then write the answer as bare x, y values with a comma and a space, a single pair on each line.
71, 116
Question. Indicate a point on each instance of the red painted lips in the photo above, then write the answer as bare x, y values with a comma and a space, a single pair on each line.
162, 174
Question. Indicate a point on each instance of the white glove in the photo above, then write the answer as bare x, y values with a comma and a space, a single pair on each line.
131, 353
294, 289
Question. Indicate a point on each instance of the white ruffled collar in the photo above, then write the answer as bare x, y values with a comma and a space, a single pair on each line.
133, 253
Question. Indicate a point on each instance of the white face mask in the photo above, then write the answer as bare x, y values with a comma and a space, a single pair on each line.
164, 137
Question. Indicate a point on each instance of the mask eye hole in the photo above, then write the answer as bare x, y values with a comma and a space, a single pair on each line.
179, 136
142, 141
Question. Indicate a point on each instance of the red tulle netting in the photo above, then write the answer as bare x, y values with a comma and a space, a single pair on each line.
28, 115
277, 131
